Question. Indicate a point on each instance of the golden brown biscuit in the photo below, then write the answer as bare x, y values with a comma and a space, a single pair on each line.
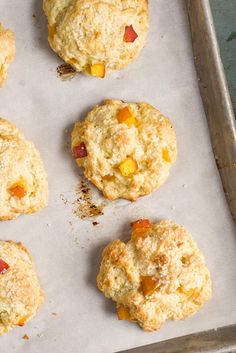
7, 52
23, 180
20, 292
159, 274
96, 36
126, 149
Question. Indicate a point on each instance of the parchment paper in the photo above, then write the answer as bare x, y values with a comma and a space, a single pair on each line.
67, 250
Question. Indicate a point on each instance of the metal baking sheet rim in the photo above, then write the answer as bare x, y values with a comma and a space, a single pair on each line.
215, 95
222, 128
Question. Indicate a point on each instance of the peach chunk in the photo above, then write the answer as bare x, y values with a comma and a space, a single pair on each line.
125, 116
141, 223
3, 266
123, 313
18, 190
130, 35
128, 166
79, 151
148, 284
98, 70
22, 321
166, 155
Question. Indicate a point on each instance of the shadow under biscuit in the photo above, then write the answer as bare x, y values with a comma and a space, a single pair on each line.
95, 258
41, 32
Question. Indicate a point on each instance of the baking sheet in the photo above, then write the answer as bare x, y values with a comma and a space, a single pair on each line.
215, 95
67, 250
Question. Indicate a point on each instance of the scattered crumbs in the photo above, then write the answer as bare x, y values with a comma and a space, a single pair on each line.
25, 337
65, 201
183, 186
95, 224
54, 314
172, 208
66, 72
40, 335
83, 206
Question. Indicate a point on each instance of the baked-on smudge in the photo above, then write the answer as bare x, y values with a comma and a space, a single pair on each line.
84, 207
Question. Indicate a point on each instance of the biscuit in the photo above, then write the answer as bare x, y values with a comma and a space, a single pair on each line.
20, 292
126, 149
23, 180
7, 52
159, 274
96, 36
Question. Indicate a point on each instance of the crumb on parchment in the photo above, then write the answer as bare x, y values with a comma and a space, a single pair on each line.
25, 337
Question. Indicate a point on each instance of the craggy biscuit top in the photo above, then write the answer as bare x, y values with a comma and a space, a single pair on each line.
97, 36
126, 149
7, 52
20, 292
23, 180
159, 274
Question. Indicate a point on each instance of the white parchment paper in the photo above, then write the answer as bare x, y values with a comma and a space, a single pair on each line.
67, 250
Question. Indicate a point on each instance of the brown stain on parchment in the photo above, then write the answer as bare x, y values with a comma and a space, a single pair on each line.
83, 206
